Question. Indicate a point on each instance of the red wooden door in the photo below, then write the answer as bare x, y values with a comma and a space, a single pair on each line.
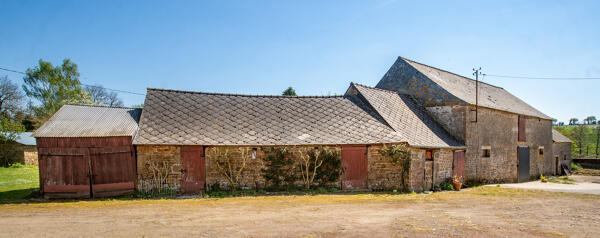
64, 172
354, 162
194, 171
113, 171
459, 164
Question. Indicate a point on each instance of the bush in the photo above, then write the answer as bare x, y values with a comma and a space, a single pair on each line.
446, 186
543, 179
331, 169
279, 168
17, 166
575, 167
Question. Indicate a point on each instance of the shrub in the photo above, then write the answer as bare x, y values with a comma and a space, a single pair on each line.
17, 165
331, 169
575, 167
543, 179
446, 186
279, 168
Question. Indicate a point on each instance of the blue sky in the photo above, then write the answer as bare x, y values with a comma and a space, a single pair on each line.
318, 47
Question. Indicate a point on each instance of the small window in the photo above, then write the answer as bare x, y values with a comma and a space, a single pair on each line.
486, 151
429, 154
541, 152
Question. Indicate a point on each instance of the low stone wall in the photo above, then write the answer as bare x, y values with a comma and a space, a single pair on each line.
588, 163
30, 155
166, 158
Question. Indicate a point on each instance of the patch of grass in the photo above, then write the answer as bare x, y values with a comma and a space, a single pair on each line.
562, 180
575, 167
18, 182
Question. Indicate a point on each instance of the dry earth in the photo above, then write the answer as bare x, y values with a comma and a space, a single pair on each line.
483, 211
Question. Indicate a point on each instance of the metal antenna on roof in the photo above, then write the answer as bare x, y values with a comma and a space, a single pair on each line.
476, 72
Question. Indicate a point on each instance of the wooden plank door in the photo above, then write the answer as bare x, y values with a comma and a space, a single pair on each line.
194, 169
458, 165
113, 171
523, 163
64, 172
354, 162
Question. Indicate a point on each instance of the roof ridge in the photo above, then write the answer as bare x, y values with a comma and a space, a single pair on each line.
242, 95
447, 71
84, 105
380, 89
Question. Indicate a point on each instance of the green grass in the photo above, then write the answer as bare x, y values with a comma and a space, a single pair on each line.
562, 180
18, 182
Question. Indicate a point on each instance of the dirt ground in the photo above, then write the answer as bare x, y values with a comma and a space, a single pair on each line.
483, 211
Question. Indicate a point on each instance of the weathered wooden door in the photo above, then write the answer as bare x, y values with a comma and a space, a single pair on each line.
354, 162
458, 166
64, 172
523, 165
113, 171
194, 170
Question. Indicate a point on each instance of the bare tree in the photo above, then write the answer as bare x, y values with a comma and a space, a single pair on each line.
100, 96
310, 161
11, 98
160, 173
232, 170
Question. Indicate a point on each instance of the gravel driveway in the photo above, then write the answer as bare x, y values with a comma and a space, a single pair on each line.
583, 184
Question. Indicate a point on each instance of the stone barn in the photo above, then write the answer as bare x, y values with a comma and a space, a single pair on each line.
506, 139
184, 137
22, 150
561, 146
87, 151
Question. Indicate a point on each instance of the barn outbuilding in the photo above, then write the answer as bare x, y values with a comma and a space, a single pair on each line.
87, 151
178, 129
561, 146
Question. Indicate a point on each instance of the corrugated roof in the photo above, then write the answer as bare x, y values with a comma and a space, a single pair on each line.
559, 138
463, 88
90, 121
26, 138
196, 118
407, 118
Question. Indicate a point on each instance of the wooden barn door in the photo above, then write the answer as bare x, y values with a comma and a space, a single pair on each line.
194, 171
458, 165
523, 165
64, 172
354, 162
113, 171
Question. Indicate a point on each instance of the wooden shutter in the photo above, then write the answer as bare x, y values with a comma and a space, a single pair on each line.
522, 128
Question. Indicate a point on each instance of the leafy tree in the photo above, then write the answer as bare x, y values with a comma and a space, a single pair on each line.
289, 92
590, 120
100, 96
573, 121
53, 87
577, 135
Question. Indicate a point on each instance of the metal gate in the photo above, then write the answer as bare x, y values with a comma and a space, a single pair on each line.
64, 172
459, 164
354, 162
86, 172
523, 165
194, 170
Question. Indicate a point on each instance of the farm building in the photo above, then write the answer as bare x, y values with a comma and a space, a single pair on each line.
21, 150
87, 151
561, 145
506, 139
185, 133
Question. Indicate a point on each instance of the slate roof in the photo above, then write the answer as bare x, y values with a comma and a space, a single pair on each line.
173, 117
26, 138
407, 118
91, 121
490, 96
559, 138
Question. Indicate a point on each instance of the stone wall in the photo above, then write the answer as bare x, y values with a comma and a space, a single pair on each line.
563, 152
423, 174
30, 155
166, 157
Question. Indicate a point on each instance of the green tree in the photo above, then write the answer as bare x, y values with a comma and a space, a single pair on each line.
289, 92
573, 121
53, 87
590, 120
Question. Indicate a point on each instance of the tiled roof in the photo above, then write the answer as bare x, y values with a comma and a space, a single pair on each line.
90, 121
196, 118
463, 88
558, 137
407, 118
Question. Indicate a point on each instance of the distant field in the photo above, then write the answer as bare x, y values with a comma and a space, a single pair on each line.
589, 142
18, 183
